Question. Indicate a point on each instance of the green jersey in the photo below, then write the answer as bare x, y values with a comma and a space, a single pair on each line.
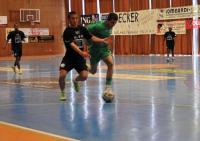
100, 30
99, 51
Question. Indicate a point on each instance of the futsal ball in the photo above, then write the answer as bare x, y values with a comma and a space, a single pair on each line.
108, 97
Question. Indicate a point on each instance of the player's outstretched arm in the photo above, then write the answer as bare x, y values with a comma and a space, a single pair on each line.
107, 40
84, 54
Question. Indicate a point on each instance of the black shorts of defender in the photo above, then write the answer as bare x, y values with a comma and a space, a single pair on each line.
170, 46
68, 65
17, 52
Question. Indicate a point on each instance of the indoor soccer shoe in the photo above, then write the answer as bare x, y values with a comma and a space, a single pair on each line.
62, 96
168, 60
19, 72
14, 69
108, 89
76, 86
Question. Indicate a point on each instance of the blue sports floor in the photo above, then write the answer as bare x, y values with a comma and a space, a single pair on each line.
154, 100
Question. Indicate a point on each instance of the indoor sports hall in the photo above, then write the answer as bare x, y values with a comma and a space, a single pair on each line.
155, 81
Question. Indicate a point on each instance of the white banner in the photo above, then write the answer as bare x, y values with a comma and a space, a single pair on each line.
30, 32
136, 22
177, 26
103, 16
3, 20
178, 12
89, 19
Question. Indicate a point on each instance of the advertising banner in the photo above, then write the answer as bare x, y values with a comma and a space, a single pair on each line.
3, 20
88, 19
136, 22
177, 12
30, 32
177, 26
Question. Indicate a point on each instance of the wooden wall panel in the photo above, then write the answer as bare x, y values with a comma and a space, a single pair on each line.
52, 16
176, 3
122, 43
106, 6
160, 4
156, 44
139, 43
139, 5
183, 42
90, 6
76, 5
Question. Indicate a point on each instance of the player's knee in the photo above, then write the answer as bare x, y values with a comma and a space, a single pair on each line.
62, 77
110, 65
84, 77
63, 74
93, 71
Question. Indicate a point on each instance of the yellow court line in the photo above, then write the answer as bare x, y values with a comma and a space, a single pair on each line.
11, 132
138, 77
10, 69
177, 71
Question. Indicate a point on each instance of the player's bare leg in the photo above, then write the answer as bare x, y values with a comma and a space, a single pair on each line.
172, 55
83, 75
109, 62
168, 52
63, 74
93, 68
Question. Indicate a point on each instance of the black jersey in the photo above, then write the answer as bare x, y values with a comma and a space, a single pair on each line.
16, 37
76, 35
169, 36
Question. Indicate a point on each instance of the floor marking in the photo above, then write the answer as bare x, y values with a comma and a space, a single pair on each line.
177, 71
49, 84
9, 69
140, 66
137, 77
12, 132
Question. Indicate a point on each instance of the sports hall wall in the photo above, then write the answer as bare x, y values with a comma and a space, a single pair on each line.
52, 16
139, 44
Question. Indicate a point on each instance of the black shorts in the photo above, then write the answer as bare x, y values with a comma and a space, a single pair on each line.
17, 51
68, 65
170, 46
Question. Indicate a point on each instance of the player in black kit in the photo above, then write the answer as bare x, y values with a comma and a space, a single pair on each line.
75, 55
169, 37
16, 37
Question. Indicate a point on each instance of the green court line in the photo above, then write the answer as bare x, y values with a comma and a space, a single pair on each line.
177, 71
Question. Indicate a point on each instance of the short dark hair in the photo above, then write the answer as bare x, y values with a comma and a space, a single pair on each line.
112, 16
71, 13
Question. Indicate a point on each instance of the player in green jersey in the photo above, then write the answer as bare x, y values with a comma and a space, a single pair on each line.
102, 51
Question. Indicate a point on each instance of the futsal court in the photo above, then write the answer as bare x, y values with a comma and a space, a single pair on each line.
154, 101
156, 98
